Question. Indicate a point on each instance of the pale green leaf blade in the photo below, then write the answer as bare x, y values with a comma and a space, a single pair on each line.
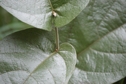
67, 12
28, 57
38, 13
99, 37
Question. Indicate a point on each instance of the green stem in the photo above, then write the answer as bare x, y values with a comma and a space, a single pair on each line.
51, 5
57, 38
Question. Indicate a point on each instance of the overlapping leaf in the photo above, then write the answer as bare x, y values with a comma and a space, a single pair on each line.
38, 13
99, 37
28, 57
11, 28
9, 24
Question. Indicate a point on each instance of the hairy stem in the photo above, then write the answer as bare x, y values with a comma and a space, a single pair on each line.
57, 38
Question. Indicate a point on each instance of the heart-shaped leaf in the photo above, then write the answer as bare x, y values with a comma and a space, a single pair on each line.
28, 57
99, 37
38, 13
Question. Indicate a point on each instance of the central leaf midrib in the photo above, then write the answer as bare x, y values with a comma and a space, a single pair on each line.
99, 72
39, 65
98, 40
107, 52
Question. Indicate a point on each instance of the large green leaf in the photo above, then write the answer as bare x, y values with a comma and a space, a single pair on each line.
38, 13
99, 37
28, 57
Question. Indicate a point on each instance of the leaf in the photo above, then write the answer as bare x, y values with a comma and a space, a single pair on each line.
38, 13
99, 37
28, 57
9, 24
11, 28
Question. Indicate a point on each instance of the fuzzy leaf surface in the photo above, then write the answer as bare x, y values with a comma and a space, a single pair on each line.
99, 37
28, 57
38, 13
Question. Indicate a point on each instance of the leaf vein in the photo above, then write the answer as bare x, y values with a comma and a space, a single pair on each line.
50, 73
50, 5
94, 19
107, 12
105, 52
100, 72
39, 65
98, 40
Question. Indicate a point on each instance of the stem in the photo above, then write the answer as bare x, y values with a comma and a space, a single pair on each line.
57, 38
51, 5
